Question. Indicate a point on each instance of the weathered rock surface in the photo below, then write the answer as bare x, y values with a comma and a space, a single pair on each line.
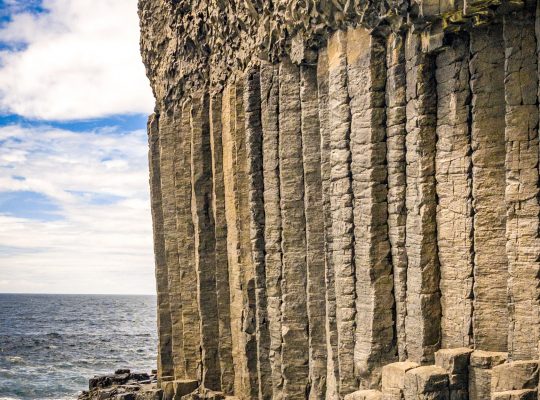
480, 369
490, 319
123, 385
345, 197
393, 379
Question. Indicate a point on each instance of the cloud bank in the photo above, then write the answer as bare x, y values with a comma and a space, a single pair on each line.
72, 59
97, 238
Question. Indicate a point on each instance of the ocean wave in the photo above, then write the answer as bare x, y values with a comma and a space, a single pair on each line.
43, 357
14, 360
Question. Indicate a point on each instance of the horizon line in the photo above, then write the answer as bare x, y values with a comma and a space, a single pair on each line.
79, 294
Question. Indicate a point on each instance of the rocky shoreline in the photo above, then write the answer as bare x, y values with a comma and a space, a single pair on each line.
123, 385
127, 385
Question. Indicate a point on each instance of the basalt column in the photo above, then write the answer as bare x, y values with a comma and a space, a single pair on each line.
332, 371
190, 364
242, 321
165, 354
521, 195
422, 323
313, 203
295, 323
345, 198
454, 184
374, 336
205, 241
490, 317
395, 158
341, 208
252, 105
222, 270
269, 76
169, 128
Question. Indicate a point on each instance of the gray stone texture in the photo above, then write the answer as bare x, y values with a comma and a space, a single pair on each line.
222, 265
269, 77
313, 202
183, 387
526, 394
366, 78
368, 394
332, 366
252, 105
393, 379
341, 208
422, 323
480, 368
454, 193
295, 322
244, 217
169, 127
426, 382
456, 363
165, 355
515, 375
345, 197
234, 166
486, 65
521, 192
205, 242
395, 158
186, 275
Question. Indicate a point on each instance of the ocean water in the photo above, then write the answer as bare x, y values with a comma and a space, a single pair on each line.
51, 344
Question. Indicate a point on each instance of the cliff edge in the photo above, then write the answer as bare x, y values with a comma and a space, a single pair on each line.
345, 197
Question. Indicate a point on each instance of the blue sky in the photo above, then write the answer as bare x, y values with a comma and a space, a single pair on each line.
74, 202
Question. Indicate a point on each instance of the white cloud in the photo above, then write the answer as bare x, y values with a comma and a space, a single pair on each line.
96, 247
80, 60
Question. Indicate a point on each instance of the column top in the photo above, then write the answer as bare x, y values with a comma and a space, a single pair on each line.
190, 44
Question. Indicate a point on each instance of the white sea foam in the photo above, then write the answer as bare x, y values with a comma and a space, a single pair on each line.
14, 360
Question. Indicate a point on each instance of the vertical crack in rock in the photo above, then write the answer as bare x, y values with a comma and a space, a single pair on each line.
295, 325
332, 370
395, 147
341, 205
521, 195
422, 323
165, 355
454, 186
205, 241
316, 293
222, 265
169, 125
254, 137
490, 317
269, 76
185, 201
374, 338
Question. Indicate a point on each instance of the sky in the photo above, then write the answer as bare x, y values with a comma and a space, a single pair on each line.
74, 196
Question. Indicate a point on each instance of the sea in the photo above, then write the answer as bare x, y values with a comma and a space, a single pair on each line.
50, 345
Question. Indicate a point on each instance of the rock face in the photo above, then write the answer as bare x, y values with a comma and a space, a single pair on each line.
123, 385
345, 197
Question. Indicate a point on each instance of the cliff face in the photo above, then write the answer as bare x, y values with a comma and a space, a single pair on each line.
345, 193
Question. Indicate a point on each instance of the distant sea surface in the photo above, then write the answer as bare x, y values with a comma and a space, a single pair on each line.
51, 344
